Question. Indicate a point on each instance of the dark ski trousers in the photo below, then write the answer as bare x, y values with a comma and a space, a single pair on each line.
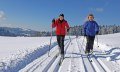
90, 43
60, 40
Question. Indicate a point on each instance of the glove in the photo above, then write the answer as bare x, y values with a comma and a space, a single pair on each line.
68, 30
85, 35
97, 32
53, 21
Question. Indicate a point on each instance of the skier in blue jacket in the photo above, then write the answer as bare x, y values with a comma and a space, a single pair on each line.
91, 29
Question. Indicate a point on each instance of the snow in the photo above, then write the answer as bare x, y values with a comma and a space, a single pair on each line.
31, 54
111, 45
16, 52
112, 40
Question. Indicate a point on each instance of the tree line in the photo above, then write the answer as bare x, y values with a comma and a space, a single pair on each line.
103, 29
75, 30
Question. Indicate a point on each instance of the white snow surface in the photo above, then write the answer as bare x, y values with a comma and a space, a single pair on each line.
16, 52
31, 54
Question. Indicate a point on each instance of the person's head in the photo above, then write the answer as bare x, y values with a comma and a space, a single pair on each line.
90, 17
61, 17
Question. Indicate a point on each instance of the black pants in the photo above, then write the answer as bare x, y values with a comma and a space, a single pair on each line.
60, 40
90, 43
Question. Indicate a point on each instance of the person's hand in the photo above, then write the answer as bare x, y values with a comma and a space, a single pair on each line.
53, 21
68, 30
97, 32
85, 35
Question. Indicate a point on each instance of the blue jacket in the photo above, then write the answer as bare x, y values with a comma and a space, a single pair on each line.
90, 28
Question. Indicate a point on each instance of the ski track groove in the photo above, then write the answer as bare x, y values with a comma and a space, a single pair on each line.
37, 64
97, 65
87, 64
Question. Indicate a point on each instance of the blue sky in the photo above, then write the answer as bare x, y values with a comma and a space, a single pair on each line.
37, 14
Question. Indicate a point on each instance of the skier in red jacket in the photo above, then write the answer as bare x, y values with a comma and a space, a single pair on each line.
62, 27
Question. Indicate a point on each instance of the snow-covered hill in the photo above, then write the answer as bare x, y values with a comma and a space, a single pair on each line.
110, 44
31, 54
13, 32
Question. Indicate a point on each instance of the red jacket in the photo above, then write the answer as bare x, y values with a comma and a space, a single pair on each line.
61, 27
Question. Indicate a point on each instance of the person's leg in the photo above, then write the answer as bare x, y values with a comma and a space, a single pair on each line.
58, 40
92, 42
62, 44
88, 44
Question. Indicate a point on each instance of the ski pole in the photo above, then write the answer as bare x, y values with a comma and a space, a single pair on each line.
98, 47
50, 42
97, 42
83, 41
70, 39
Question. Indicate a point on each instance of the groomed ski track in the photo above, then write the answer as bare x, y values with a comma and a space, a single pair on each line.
75, 60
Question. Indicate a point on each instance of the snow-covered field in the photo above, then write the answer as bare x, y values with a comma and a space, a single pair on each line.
16, 52
30, 54
110, 44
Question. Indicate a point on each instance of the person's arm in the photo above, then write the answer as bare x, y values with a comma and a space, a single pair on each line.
67, 26
96, 27
53, 23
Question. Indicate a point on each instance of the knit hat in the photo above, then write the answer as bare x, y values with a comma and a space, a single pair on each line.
91, 15
61, 15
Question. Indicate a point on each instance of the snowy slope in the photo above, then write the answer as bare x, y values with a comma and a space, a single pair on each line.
16, 52
110, 44
112, 40
30, 54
